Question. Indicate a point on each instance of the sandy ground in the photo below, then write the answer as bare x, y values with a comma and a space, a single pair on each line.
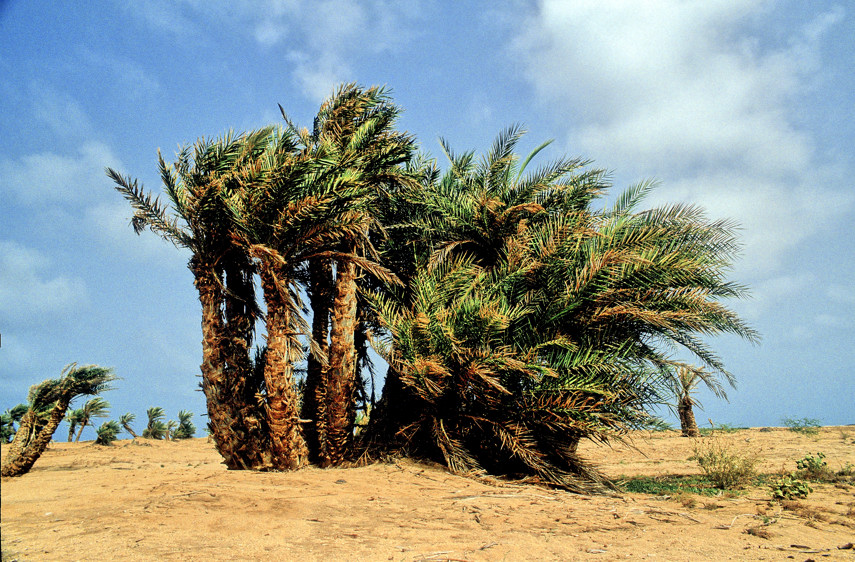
176, 501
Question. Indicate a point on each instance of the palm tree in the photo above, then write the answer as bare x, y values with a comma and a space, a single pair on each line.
682, 381
94, 408
107, 432
52, 396
353, 136
548, 325
171, 426
198, 185
155, 429
73, 417
9, 419
185, 429
125, 421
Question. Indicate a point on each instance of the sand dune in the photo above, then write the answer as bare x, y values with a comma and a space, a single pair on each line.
160, 500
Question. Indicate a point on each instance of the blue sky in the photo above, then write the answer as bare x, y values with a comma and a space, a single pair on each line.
742, 106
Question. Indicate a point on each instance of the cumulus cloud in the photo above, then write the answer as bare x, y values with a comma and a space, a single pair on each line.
29, 293
688, 92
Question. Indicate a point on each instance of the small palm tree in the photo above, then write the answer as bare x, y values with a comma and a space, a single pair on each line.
682, 382
73, 417
126, 421
107, 432
8, 420
52, 396
185, 429
94, 408
155, 429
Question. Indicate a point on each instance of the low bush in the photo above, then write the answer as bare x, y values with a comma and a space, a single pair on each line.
789, 487
814, 467
806, 426
725, 466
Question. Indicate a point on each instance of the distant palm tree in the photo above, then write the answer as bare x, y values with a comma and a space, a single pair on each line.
52, 396
94, 408
185, 429
107, 432
73, 417
126, 421
155, 429
171, 425
8, 419
682, 382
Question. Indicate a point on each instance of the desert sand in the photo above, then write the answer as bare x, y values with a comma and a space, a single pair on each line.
157, 500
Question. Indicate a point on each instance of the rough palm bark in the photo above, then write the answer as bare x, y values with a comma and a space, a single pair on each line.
687, 417
314, 397
341, 375
23, 436
287, 445
236, 439
20, 460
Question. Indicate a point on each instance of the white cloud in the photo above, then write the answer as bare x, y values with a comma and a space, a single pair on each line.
687, 92
28, 294
323, 38
59, 111
50, 178
109, 224
128, 75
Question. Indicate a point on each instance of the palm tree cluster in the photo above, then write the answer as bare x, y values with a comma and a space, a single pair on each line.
516, 316
47, 404
8, 419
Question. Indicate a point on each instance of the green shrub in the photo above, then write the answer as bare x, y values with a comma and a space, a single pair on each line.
807, 426
813, 467
789, 487
723, 464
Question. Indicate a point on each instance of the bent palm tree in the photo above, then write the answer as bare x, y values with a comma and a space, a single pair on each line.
155, 429
125, 421
52, 396
73, 417
185, 429
95, 408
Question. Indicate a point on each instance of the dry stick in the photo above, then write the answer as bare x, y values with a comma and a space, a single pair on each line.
734, 520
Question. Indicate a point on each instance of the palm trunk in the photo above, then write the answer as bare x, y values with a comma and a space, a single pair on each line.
71, 429
687, 418
23, 460
23, 436
80, 431
314, 396
131, 431
236, 436
340, 380
287, 445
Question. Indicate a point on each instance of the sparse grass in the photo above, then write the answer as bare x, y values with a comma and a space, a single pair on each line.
719, 428
805, 426
727, 467
670, 485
